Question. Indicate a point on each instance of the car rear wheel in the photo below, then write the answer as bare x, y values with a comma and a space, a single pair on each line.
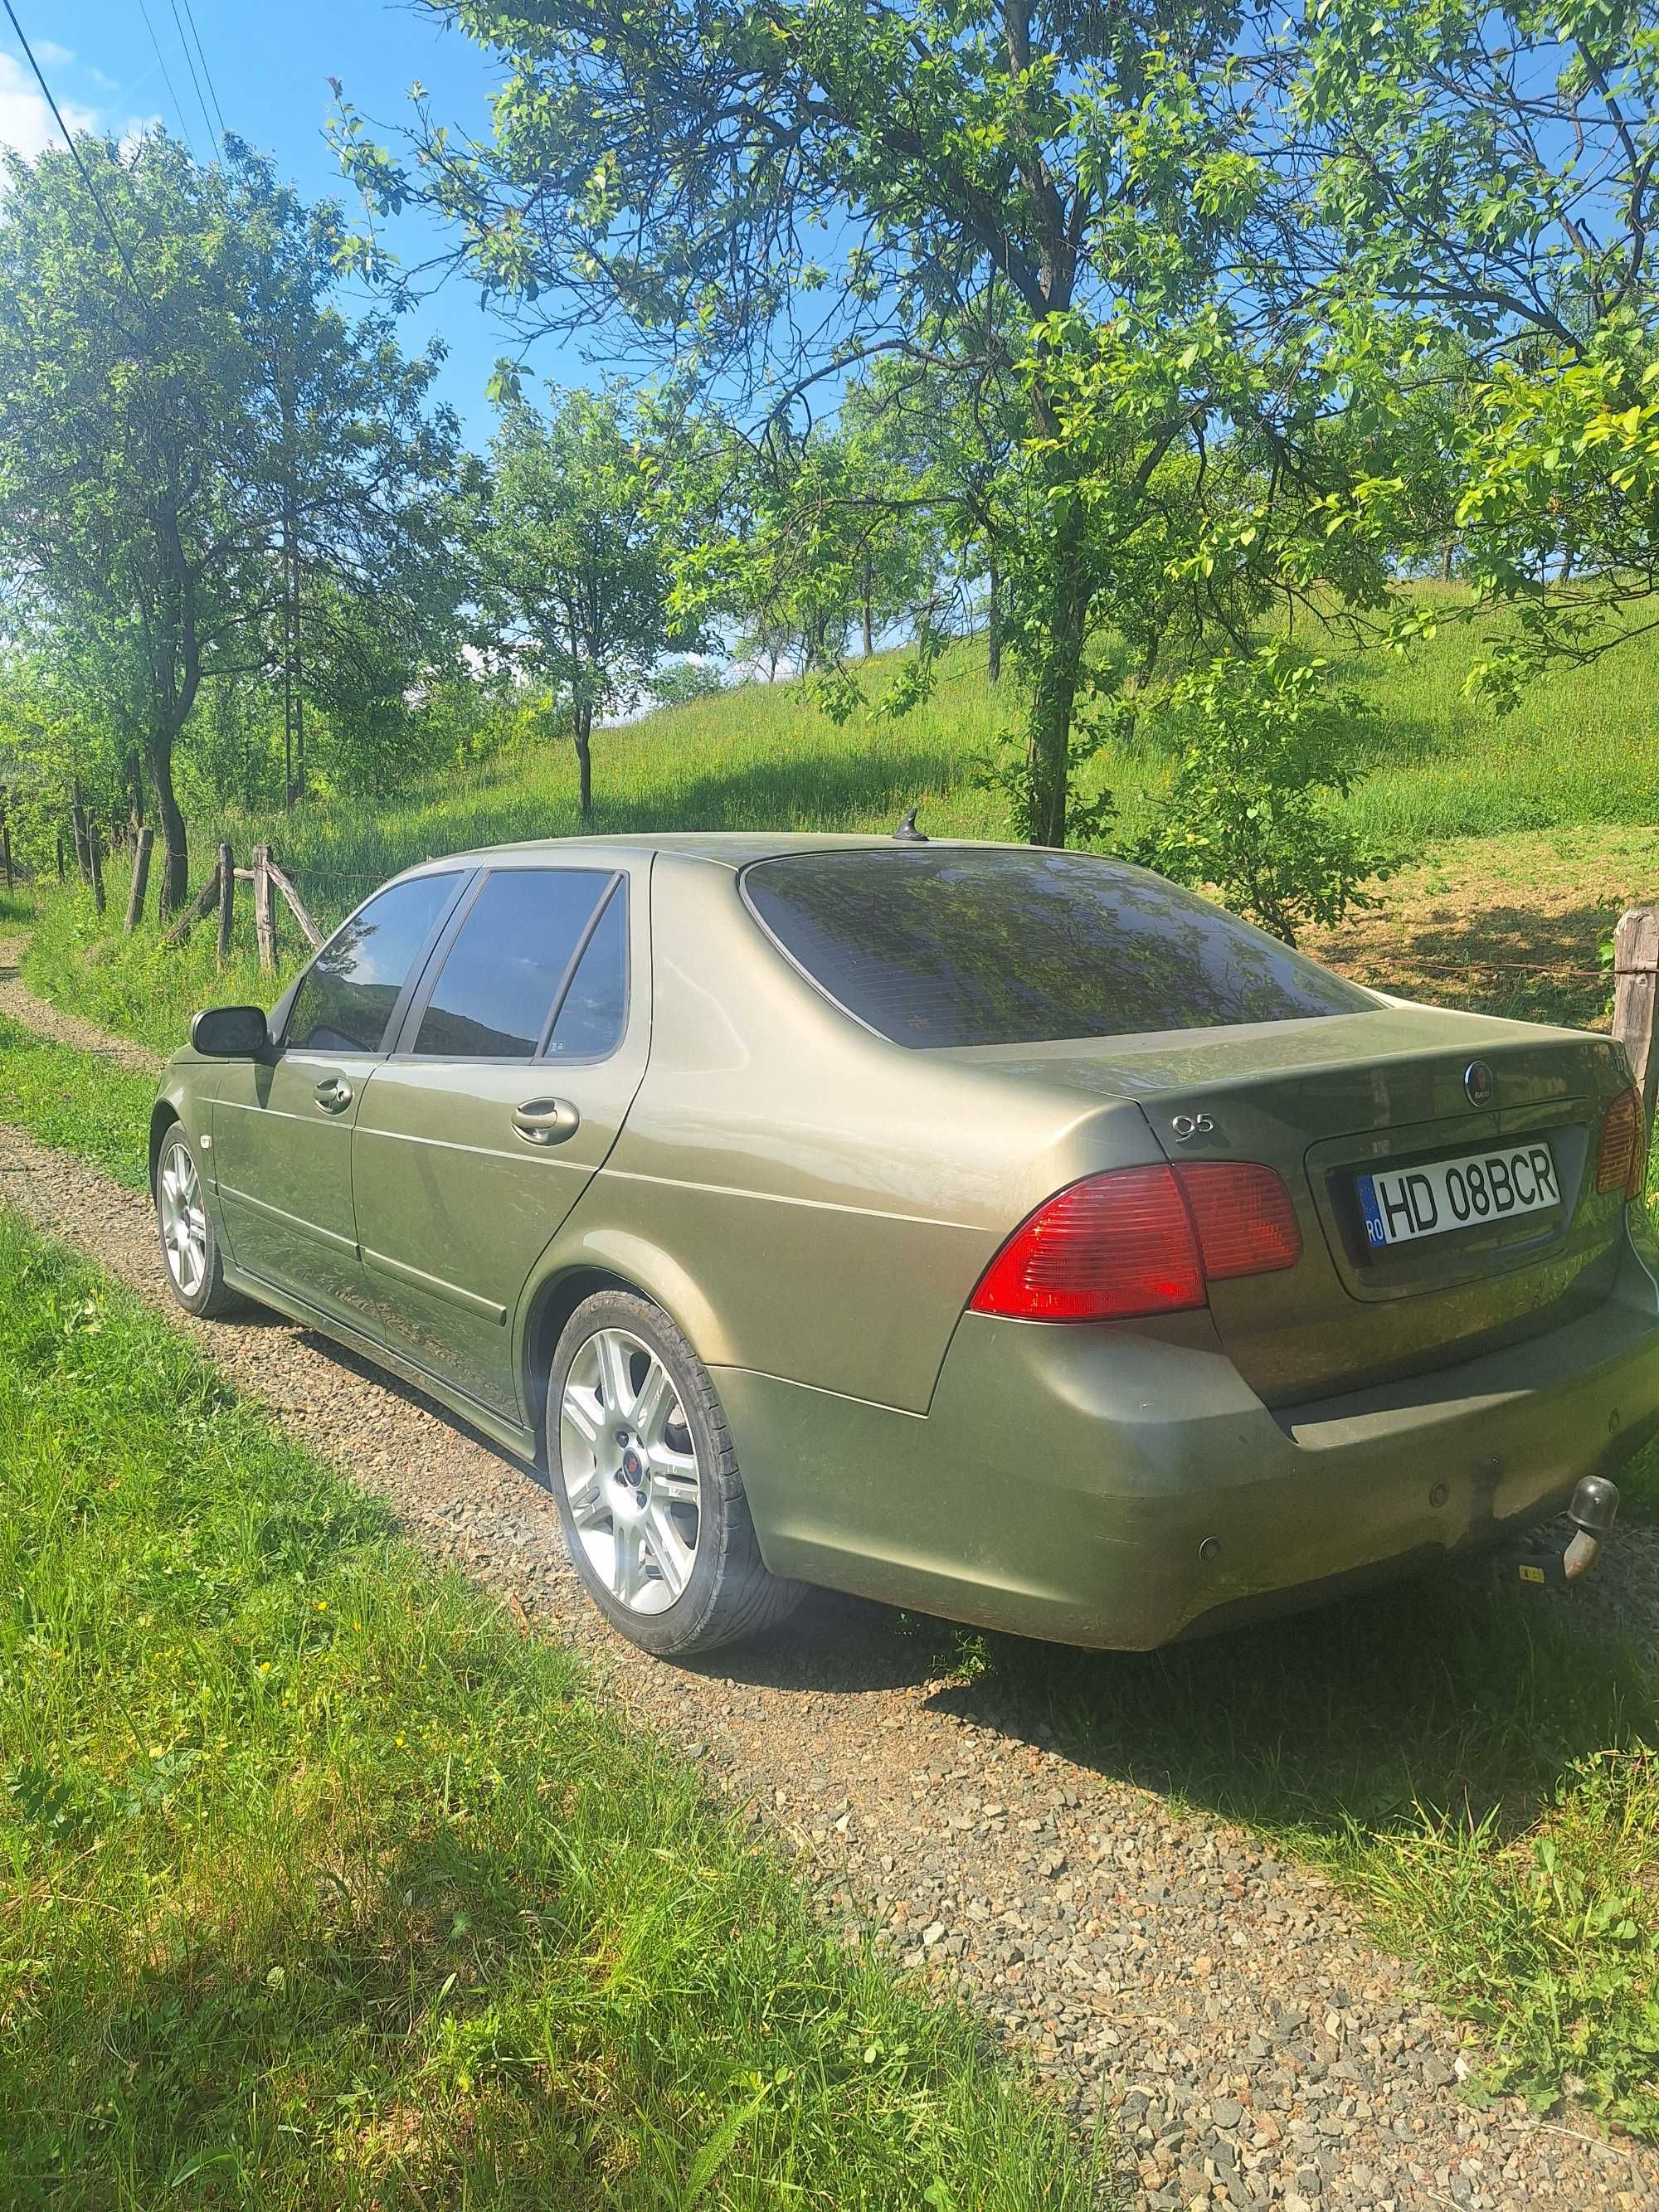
190, 1249
647, 1487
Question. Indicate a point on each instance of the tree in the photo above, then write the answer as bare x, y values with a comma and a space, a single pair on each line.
1477, 182
1239, 253
802, 542
1074, 176
155, 482
576, 557
365, 495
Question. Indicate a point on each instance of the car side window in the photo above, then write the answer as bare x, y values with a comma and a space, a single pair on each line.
509, 957
595, 1008
346, 997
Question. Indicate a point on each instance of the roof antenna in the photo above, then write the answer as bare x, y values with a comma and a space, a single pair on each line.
906, 833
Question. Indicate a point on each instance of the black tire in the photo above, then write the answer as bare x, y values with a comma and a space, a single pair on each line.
728, 1593
206, 1294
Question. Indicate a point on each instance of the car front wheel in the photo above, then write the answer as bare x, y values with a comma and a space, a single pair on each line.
190, 1250
647, 1484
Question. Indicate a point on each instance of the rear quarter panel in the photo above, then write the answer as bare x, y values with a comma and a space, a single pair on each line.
818, 1203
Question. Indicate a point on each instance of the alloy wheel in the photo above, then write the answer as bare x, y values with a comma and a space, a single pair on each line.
183, 1219
630, 1470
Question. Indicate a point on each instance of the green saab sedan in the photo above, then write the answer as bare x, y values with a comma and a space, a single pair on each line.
1001, 1233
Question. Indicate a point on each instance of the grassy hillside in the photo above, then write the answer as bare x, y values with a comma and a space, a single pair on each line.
1584, 747
1582, 754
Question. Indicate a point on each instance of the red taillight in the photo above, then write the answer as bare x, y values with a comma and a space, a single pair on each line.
1140, 1241
1246, 1223
1622, 1163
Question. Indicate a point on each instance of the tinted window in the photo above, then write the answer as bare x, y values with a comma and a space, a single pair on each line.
347, 994
591, 1019
509, 957
963, 947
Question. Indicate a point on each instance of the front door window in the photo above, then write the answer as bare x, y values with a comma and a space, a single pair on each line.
347, 994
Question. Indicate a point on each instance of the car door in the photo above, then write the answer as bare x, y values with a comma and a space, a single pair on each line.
282, 1123
515, 1065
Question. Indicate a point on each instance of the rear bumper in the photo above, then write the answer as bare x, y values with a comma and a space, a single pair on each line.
1121, 1488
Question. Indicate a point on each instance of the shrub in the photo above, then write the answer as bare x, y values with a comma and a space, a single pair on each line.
1263, 751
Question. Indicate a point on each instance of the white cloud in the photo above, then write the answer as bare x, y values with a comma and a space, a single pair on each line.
137, 127
50, 55
26, 121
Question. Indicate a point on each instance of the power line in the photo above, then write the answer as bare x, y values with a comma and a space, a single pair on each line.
166, 79
75, 154
213, 90
189, 64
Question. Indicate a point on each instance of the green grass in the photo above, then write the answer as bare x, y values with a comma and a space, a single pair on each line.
77, 1100
320, 1884
1583, 747
136, 986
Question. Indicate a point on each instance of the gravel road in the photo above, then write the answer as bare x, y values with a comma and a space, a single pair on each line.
1253, 2046
49, 1021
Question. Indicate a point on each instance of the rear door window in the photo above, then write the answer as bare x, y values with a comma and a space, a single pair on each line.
595, 1008
502, 973
346, 997
956, 945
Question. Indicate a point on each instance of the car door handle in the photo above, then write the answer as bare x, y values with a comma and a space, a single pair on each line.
333, 1094
546, 1121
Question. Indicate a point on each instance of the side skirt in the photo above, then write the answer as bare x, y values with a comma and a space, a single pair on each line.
512, 1437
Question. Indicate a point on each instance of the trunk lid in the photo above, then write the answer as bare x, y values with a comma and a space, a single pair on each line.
1326, 1101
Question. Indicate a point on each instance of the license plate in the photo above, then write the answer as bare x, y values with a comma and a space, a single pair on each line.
1401, 1204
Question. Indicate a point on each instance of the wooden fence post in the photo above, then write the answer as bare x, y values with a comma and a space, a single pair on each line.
179, 928
60, 856
265, 908
95, 866
1636, 996
140, 878
297, 907
5, 842
226, 901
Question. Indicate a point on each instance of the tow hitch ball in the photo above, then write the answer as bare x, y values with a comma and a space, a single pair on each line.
1593, 1509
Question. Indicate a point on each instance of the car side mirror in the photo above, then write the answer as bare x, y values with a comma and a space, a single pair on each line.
230, 1032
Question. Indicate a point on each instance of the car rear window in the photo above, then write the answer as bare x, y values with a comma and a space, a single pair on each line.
954, 946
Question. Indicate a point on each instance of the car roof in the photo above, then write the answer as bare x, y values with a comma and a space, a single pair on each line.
731, 848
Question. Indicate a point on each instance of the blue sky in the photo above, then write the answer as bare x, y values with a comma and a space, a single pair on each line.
269, 62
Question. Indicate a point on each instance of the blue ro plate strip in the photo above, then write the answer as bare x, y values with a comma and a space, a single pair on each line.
1374, 1229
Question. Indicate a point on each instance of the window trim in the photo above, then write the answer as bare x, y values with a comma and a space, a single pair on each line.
409, 1016
418, 966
